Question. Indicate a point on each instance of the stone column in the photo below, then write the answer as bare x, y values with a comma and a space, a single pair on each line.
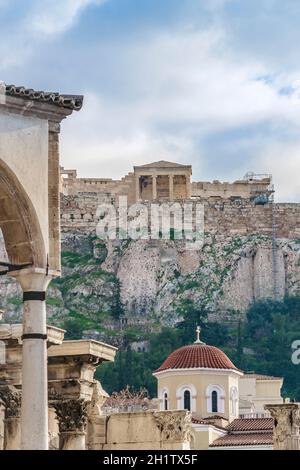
154, 187
34, 409
54, 180
137, 188
72, 419
188, 186
11, 399
286, 430
171, 187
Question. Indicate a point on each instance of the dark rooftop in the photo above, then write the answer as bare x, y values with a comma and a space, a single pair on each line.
64, 101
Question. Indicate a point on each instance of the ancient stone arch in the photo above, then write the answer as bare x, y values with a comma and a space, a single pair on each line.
30, 223
19, 221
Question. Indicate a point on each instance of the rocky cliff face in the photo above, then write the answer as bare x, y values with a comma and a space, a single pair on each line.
150, 282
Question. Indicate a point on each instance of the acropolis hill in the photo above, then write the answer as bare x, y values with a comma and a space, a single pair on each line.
251, 251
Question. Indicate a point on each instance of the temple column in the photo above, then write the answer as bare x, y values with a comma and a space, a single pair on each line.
11, 399
72, 419
137, 188
188, 186
171, 187
34, 409
154, 187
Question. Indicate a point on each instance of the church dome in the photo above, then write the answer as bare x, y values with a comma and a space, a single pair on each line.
197, 356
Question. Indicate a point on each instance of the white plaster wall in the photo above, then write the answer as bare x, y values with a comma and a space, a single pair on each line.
24, 148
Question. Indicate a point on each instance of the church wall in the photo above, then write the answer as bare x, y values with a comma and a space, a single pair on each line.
203, 436
260, 392
268, 388
173, 381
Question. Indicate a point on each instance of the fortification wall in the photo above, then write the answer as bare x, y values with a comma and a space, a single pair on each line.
226, 217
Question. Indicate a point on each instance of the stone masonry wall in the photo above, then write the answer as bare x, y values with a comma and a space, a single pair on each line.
239, 217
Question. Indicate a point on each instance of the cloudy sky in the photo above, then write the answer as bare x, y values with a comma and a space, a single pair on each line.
214, 83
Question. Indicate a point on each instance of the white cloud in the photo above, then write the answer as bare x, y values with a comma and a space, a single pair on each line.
45, 20
179, 88
56, 16
284, 159
161, 95
107, 142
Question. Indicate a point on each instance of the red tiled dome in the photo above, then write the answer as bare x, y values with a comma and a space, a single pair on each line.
197, 355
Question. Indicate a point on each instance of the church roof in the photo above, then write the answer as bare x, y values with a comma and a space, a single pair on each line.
197, 356
65, 101
163, 164
247, 439
247, 432
251, 424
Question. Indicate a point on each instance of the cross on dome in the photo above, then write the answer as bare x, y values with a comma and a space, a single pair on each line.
198, 340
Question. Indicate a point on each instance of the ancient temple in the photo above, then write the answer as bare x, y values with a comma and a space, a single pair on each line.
164, 180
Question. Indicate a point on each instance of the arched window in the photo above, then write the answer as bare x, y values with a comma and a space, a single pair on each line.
166, 401
187, 400
186, 396
234, 401
214, 401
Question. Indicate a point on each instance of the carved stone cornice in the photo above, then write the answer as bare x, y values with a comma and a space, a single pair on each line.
71, 415
174, 425
11, 399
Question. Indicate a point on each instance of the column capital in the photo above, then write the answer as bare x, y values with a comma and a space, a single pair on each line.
11, 399
71, 414
286, 425
174, 425
34, 279
54, 126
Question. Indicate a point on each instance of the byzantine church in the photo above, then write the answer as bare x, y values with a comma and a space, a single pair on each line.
227, 405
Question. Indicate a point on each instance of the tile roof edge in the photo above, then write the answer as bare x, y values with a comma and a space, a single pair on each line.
73, 102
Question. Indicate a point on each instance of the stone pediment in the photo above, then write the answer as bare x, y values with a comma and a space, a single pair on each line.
163, 164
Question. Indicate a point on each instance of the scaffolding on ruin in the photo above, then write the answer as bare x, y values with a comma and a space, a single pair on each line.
263, 196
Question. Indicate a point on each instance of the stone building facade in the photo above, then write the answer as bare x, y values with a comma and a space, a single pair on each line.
241, 207
76, 398
202, 379
164, 180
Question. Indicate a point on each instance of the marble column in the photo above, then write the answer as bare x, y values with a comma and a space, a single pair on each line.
72, 420
171, 187
34, 409
154, 187
11, 398
137, 188
188, 186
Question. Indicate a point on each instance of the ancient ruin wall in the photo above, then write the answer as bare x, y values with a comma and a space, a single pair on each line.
238, 217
